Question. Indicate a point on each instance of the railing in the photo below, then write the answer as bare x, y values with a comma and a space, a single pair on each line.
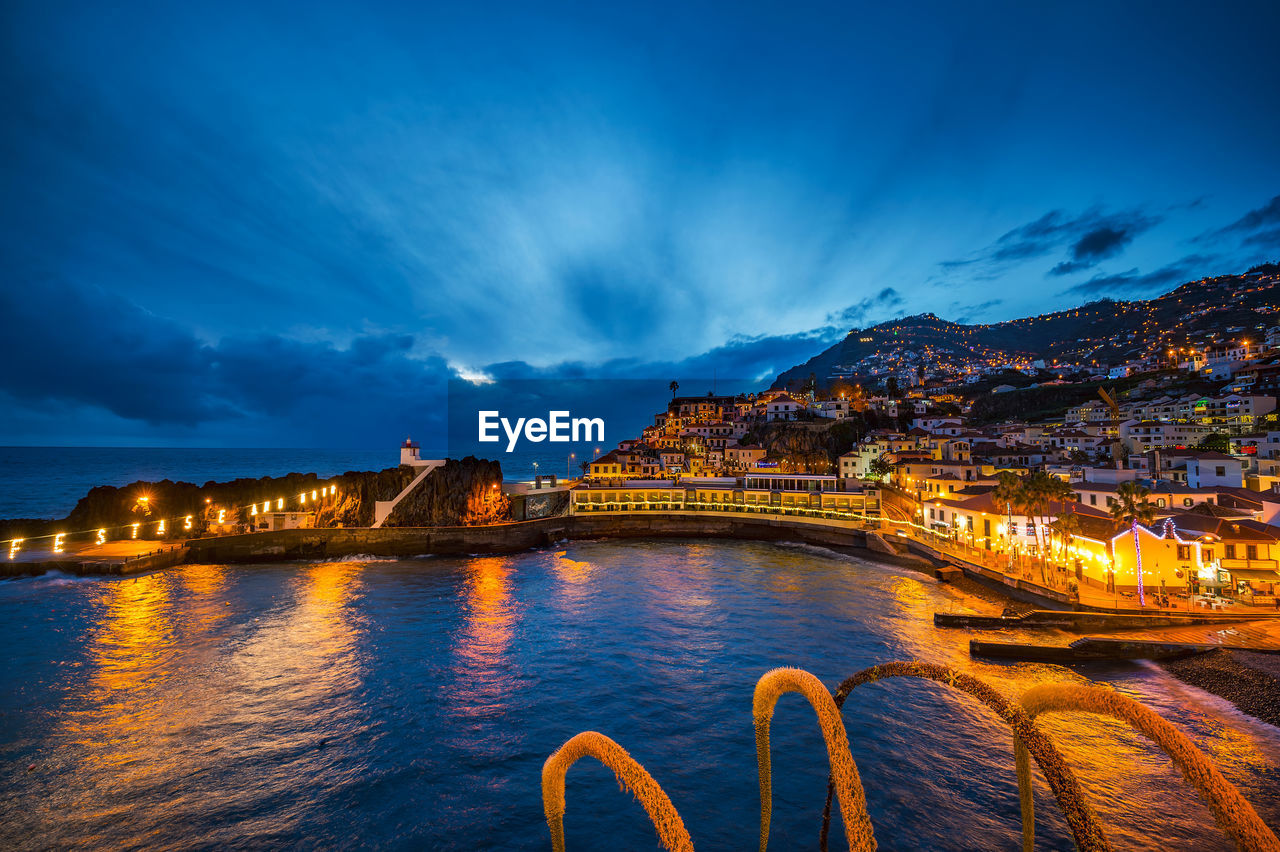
137, 556
1249, 564
737, 508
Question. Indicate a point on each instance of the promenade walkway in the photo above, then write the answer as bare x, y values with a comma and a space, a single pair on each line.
1056, 578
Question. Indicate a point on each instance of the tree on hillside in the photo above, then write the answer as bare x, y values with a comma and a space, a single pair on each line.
810, 386
845, 434
891, 387
879, 468
1218, 442
1133, 507
674, 386
840, 389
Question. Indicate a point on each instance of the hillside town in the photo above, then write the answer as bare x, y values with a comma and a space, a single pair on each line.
1148, 481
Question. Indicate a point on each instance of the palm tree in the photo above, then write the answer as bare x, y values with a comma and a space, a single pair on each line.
1012, 492
1131, 506
674, 386
1046, 490
1037, 490
1066, 525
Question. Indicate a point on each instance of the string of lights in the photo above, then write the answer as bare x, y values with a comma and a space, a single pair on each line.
103, 534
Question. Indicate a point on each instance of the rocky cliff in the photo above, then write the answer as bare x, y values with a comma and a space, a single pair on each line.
462, 492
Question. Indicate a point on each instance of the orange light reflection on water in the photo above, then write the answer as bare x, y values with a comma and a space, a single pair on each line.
484, 675
173, 691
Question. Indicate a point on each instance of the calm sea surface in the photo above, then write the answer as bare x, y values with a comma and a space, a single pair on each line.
410, 704
46, 482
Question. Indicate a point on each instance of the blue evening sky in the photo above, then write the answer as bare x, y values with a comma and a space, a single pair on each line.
274, 224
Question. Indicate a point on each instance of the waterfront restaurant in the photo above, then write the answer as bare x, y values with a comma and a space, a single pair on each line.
1091, 545
1170, 559
982, 522
773, 493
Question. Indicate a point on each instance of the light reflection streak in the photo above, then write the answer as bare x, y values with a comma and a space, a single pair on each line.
483, 670
177, 690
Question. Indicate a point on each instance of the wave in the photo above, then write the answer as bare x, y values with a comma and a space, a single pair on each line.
839, 556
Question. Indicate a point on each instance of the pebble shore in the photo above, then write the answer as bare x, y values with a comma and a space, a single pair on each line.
1248, 679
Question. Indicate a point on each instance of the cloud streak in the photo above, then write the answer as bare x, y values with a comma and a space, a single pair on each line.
1137, 283
1089, 238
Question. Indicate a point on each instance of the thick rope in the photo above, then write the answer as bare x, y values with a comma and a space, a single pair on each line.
1085, 827
1233, 813
844, 773
631, 776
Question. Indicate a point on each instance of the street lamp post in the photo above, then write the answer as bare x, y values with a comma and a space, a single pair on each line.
567, 461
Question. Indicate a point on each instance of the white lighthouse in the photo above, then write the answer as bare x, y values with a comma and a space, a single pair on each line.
409, 453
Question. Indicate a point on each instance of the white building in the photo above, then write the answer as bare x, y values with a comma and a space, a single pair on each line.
267, 521
1211, 470
783, 407
856, 464
836, 409
1143, 435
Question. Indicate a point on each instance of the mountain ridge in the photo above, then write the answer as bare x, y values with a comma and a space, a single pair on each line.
1101, 332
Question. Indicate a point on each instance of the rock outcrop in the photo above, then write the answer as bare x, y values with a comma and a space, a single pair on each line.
460, 493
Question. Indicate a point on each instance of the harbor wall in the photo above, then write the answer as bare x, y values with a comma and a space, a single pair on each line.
406, 542
513, 537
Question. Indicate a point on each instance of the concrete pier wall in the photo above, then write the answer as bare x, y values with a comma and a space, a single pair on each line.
334, 543
509, 538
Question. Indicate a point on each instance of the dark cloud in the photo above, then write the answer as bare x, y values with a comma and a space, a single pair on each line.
1092, 236
88, 346
755, 359
1267, 239
87, 350
1099, 244
1032, 239
1266, 215
967, 313
1134, 282
883, 302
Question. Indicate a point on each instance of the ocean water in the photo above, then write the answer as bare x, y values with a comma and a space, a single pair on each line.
46, 482
410, 704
